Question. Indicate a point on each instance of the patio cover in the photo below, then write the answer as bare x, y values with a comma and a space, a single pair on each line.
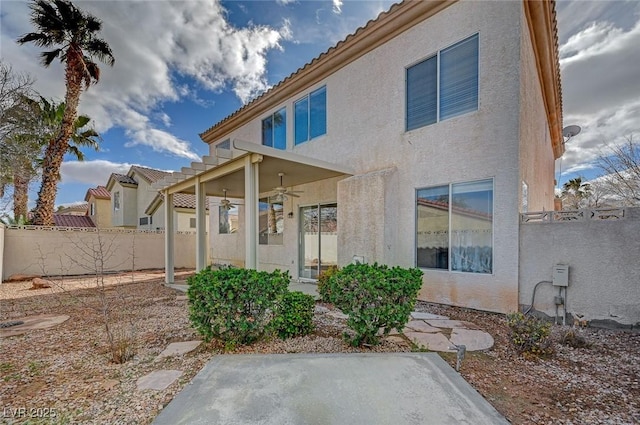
247, 175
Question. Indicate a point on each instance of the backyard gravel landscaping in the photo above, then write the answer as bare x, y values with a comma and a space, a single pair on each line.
66, 370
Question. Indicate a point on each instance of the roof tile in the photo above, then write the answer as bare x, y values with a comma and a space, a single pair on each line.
68, 220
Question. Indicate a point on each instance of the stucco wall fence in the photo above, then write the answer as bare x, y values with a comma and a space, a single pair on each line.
50, 251
602, 250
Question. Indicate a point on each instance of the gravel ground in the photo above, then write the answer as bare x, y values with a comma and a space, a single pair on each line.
68, 368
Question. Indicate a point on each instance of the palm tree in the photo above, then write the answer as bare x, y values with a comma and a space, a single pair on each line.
575, 192
73, 33
45, 119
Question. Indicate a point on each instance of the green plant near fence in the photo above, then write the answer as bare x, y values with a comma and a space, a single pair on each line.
530, 335
374, 297
234, 305
294, 315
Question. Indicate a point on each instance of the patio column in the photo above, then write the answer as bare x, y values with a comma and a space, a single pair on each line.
169, 237
201, 227
251, 184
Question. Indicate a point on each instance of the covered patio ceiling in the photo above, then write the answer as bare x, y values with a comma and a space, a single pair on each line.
230, 175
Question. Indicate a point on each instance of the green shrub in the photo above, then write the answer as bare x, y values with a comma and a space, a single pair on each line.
374, 296
323, 288
294, 315
234, 305
529, 334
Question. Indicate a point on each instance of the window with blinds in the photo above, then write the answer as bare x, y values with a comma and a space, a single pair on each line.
443, 86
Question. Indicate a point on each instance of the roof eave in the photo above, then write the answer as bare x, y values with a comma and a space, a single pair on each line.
377, 32
543, 28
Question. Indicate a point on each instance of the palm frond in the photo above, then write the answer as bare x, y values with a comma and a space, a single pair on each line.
92, 69
47, 57
93, 24
39, 39
81, 121
73, 150
99, 49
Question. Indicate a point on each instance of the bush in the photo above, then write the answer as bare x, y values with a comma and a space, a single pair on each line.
294, 315
529, 334
234, 305
323, 288
374, 296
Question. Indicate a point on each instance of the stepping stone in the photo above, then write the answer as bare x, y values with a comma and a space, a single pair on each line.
158, 380
472, 339
452, 324
182, 298
396, 340
338, 315
179, 348
420, 326
432, 342
321, 309
42, 321
417, 315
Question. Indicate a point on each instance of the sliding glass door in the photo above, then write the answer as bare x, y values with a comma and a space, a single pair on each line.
318, 239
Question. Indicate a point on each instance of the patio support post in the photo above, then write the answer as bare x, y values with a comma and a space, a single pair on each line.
251, 184
169, 238
201, 227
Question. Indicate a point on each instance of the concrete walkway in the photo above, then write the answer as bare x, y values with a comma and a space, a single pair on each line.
329, 389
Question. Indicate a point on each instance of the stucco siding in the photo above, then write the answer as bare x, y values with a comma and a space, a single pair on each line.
536, 154
604, 273
366, 131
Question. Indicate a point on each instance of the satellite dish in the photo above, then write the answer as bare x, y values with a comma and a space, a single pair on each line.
571, 130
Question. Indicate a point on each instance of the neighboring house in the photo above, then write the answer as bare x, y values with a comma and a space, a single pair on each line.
415, 142
72, 220
99, 200
74, 209
135, 205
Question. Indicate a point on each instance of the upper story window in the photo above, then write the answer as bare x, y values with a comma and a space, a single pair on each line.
311, 116
116, 201
444, 85
92, 209
274, 130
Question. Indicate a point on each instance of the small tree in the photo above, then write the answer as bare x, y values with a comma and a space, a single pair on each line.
621, 172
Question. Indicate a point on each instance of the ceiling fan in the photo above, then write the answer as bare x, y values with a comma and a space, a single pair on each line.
282, 192
225, 203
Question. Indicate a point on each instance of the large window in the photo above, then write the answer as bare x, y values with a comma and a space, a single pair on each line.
454, 227
311, 116
228, 219
274, 130
271, 221
444, 85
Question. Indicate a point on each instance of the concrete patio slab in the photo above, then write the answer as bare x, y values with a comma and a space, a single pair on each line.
329, 389
158, 380
432, 342
473, 340
179, 348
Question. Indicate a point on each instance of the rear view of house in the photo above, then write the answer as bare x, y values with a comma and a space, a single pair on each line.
416, 141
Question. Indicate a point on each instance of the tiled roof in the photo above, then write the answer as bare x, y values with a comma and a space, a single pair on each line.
121, 178
99, 192
81, 207
149, 174
68, 220
184, 200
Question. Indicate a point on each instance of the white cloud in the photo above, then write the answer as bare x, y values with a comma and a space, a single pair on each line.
337, 6
92, 173
601, 83
152, 44
285, 1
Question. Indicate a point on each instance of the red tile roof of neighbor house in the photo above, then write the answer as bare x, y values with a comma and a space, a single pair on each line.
151, 175
121, 178
68, 220
184, 200
99, 192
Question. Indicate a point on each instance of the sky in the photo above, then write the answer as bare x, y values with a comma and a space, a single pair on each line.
182, 66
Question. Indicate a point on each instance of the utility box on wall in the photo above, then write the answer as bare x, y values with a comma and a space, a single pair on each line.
560, 275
